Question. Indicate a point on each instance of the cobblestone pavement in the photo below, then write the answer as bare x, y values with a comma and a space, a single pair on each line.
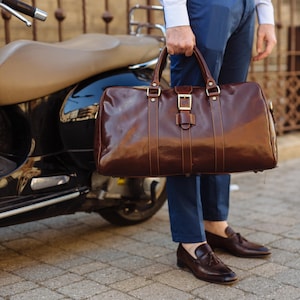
83, 257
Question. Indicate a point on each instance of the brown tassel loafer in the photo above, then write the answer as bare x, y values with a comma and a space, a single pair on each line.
207, 266
236, 244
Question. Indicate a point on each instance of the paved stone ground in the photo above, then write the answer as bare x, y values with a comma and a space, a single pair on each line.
83, 257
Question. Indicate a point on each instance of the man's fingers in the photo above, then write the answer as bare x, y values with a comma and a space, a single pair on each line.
266, 40
180, 40
170, 51
269, 45
187, 51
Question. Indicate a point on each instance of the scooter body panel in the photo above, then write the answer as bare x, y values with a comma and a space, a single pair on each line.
80, 108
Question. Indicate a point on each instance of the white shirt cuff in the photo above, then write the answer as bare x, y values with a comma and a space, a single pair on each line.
265, 11
176, 13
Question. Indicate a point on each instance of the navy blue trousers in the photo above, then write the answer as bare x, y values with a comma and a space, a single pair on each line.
224, 34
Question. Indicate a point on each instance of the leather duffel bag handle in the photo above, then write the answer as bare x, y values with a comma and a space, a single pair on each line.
212, 89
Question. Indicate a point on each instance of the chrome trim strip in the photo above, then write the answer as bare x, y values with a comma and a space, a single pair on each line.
144, 65
21, 210
39, 183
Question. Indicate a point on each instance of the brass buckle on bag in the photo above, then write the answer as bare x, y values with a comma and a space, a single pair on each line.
213, 92
153, 91
184, 101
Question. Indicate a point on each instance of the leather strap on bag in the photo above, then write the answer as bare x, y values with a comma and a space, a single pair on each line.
184, 118
153, 97
216, 112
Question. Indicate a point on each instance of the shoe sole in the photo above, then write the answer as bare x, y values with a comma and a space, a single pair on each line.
184, 267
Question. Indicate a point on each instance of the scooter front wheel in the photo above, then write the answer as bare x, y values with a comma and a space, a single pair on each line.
145, 197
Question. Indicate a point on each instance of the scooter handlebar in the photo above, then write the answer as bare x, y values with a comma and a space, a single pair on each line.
26, 9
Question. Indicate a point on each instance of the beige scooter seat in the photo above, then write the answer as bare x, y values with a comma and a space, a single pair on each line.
30, 69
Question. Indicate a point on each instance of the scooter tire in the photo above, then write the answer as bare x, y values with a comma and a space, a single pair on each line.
134, 211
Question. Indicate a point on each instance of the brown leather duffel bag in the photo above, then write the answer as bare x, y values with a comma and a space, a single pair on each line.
150, 131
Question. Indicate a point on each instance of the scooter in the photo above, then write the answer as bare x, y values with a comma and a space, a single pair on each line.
49, 98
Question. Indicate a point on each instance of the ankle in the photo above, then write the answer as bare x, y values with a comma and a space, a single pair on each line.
216, 227
191, 247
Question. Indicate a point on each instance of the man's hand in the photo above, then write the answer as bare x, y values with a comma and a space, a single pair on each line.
180, 40
266, 40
